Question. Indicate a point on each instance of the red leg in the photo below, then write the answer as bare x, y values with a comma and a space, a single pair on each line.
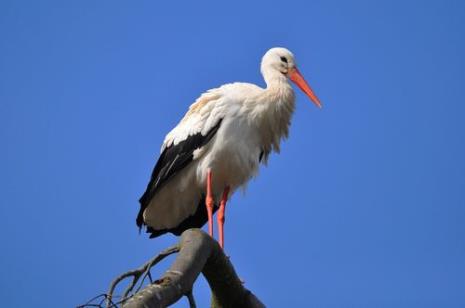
221, 215
209, 203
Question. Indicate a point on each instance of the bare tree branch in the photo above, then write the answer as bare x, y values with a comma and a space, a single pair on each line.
198, 252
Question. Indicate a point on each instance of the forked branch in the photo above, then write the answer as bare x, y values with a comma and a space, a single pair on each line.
198, 253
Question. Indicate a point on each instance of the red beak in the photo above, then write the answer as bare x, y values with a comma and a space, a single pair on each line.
299, 80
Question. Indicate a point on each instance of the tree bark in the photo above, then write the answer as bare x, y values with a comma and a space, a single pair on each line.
198, 253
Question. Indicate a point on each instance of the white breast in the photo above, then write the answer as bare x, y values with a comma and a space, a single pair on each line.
233, 156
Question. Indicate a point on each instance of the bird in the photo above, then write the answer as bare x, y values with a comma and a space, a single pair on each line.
218, 146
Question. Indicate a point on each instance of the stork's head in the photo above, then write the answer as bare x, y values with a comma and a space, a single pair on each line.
278, 63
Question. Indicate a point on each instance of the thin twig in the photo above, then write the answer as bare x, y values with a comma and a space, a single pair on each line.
137, 273
99, 304
151, 263
93, 299
190, 297
130, 286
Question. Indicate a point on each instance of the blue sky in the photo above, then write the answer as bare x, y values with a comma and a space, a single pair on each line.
364, 207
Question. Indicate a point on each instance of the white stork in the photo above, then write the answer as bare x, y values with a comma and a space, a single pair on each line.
218, 146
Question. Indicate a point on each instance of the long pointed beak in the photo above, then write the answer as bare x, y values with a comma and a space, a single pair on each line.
299, 80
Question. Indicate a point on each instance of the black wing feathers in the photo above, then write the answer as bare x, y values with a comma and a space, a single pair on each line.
172, 160
197, 220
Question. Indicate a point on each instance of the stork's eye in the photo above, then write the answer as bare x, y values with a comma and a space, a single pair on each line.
284, 59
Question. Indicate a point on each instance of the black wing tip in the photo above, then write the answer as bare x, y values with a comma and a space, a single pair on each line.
155, 233
197, 220
140, 219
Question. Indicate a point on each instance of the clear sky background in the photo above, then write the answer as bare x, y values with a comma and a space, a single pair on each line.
364, 207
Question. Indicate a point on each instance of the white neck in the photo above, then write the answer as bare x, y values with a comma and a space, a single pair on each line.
274, 117
278, 90
273, 77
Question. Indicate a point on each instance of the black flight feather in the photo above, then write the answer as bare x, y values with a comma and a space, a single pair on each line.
172, 160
